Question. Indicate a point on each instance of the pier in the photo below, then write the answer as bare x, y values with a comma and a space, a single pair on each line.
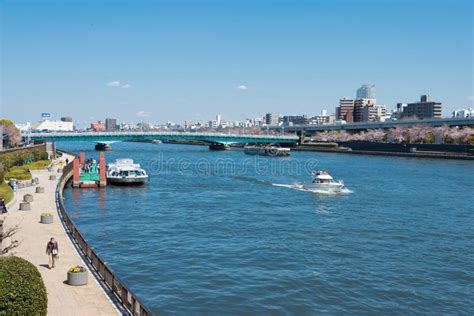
89, 175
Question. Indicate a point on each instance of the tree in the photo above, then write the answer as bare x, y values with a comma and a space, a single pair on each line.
398, 134
8, 234
442, 132
13, 133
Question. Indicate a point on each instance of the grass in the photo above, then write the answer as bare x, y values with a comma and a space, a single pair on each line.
6, 192
38, 165
23, 172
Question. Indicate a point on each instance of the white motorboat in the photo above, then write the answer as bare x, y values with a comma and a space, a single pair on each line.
124, 171
323, 181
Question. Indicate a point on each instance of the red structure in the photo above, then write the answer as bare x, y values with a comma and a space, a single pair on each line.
76, 173
103, 179
82, 159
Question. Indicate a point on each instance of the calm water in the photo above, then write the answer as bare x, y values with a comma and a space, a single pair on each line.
212, 234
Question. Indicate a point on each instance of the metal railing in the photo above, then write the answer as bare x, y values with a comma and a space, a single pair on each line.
118, 288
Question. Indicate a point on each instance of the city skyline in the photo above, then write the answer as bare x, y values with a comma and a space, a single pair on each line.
239, 59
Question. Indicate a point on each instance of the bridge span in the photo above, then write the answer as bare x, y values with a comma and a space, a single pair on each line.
355, 127
211, 138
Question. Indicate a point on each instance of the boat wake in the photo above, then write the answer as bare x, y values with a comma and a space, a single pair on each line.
299, 187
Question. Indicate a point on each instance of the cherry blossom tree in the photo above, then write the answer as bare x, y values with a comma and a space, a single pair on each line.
399, 134
442, 132
13, 133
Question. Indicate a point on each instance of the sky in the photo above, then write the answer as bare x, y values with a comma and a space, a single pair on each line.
159, 61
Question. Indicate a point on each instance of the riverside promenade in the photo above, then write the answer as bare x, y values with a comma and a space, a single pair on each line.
63, 299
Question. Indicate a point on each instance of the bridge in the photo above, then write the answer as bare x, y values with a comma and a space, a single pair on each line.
210, 138
355, 127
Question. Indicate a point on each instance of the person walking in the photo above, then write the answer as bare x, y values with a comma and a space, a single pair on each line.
52, 250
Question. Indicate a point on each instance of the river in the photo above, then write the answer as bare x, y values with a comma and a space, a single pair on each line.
224, 233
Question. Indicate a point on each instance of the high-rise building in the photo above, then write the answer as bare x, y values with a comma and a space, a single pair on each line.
111, 124
423, 109
366, 91
364, 110
345, 110
272, 119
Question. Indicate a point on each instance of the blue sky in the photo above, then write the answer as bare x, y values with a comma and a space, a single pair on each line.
174, 60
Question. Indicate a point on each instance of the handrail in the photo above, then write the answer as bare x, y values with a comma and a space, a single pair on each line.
125, 296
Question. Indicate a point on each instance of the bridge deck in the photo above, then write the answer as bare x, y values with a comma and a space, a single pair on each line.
99, 137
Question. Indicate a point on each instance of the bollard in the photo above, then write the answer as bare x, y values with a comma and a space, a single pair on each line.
39, 189
47, 218
25, 206
52, 177
28, 198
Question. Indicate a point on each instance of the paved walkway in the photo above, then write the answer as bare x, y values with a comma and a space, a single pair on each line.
63, 299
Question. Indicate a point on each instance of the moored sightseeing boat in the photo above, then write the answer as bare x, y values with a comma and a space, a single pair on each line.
125, 171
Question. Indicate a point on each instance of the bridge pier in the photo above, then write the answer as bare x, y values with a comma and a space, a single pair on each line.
103, 147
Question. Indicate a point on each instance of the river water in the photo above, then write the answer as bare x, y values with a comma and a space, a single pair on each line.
224, 233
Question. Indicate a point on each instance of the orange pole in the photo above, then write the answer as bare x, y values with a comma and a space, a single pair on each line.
103, 179
75, 175
82, 158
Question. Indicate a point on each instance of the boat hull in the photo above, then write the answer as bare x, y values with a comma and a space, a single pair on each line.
332, 187
127, 181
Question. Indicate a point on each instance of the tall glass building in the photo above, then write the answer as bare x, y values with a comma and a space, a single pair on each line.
366, 91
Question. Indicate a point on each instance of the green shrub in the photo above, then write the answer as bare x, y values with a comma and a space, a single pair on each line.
21, 157
37, 165
22, 291
19, 173
6, 192
2, 173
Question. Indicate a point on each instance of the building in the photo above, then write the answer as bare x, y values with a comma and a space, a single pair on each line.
272, 119
364, 110
464, 113
213, 124
188, 124
366, 91
111, 124
380, 112
98, 127
289, 120
322, 118
52, 126
424, 109
345, 110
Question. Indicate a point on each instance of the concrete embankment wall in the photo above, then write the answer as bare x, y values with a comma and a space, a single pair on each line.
400, 147
416, 154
